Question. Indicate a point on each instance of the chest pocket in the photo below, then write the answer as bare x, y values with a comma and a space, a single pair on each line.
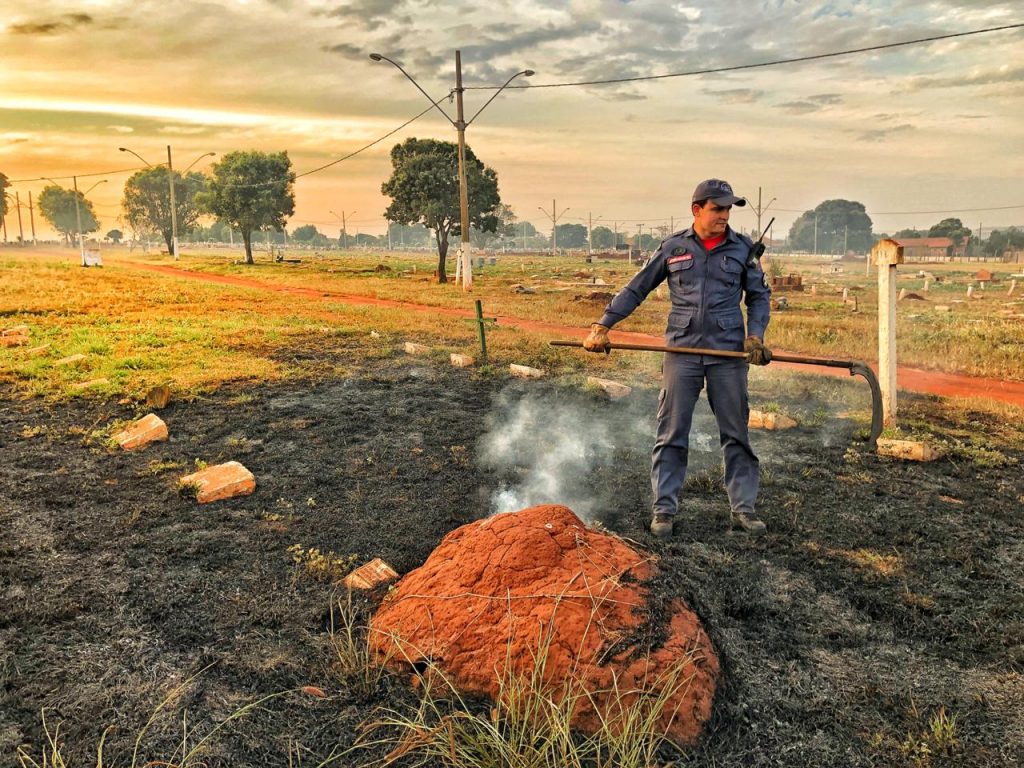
678, 271
731, 269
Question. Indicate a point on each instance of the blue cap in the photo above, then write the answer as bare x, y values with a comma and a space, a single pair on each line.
719, 191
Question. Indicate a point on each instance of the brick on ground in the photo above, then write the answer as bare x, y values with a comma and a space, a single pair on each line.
370, 575
461, 361
70, 360
911, 450
222, 481
614, 389
13, 341
17, 330
412, 348
771, 421
141, 432
37, 350
525, 371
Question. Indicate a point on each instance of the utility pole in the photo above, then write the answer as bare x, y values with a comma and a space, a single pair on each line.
815, 233
590, 236
78, 220
760, 210
554, 224
174, 207
460, 128
32, 218
21, 232
554, 230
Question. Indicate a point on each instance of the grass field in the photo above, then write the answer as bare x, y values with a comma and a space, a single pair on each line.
139, 330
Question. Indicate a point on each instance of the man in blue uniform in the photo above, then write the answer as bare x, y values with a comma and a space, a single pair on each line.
709, 270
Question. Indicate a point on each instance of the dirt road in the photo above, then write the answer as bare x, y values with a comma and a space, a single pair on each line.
910, 379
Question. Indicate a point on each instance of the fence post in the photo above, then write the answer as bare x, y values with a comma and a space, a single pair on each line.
886, 254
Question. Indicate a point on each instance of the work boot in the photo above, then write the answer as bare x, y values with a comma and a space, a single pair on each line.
748, 522
661, 525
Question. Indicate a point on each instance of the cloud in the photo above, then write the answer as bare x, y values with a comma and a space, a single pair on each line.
67, 23
121, 128
736, 95
810, 104
1002, 74
880, 134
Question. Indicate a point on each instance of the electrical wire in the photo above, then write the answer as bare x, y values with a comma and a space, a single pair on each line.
76, 176
772, 63
372, 143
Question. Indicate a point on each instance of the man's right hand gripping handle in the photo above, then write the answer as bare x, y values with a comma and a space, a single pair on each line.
597, 341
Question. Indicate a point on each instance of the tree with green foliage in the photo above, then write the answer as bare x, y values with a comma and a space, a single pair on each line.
602, 237
424, 189
954, 229
307, 233
910, 233
57, 206
251, 190
1000, 240
571, 236
115, 235
837, 222
147, 201
4, 184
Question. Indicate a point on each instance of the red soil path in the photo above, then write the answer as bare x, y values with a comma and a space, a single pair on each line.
910, 379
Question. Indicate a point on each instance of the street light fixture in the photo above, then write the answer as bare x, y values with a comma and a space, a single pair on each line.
460, 124
170, 184
554, 224
344, 226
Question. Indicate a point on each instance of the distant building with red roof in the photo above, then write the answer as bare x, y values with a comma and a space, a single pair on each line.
931, 248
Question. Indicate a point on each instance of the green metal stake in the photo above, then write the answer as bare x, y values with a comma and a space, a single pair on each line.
480, 330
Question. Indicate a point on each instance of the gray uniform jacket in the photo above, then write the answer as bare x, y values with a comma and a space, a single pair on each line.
705, 289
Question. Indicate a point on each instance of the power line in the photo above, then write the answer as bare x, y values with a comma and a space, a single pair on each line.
298, 176
77, 175
772, 63
915, 213
372, 143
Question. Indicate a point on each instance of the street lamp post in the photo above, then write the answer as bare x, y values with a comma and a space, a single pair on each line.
460, 124
78, 212
170, 184
344, 226
554, 224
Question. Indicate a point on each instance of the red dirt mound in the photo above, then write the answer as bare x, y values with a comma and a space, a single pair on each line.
490, 591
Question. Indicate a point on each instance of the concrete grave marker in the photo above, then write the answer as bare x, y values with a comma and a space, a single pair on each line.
769, 421
525, 371
70, 360
911, 450
614, 389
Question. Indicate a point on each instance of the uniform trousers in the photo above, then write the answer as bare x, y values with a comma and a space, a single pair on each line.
684, 377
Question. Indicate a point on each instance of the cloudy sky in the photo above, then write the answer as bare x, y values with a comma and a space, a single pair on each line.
935, 127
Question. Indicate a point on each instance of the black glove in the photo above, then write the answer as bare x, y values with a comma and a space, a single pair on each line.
757, 352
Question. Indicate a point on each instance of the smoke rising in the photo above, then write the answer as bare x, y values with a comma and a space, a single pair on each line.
561, 448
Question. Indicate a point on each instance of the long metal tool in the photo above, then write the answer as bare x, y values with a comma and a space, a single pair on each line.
855, 367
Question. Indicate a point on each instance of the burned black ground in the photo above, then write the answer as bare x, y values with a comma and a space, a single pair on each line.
886, 597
